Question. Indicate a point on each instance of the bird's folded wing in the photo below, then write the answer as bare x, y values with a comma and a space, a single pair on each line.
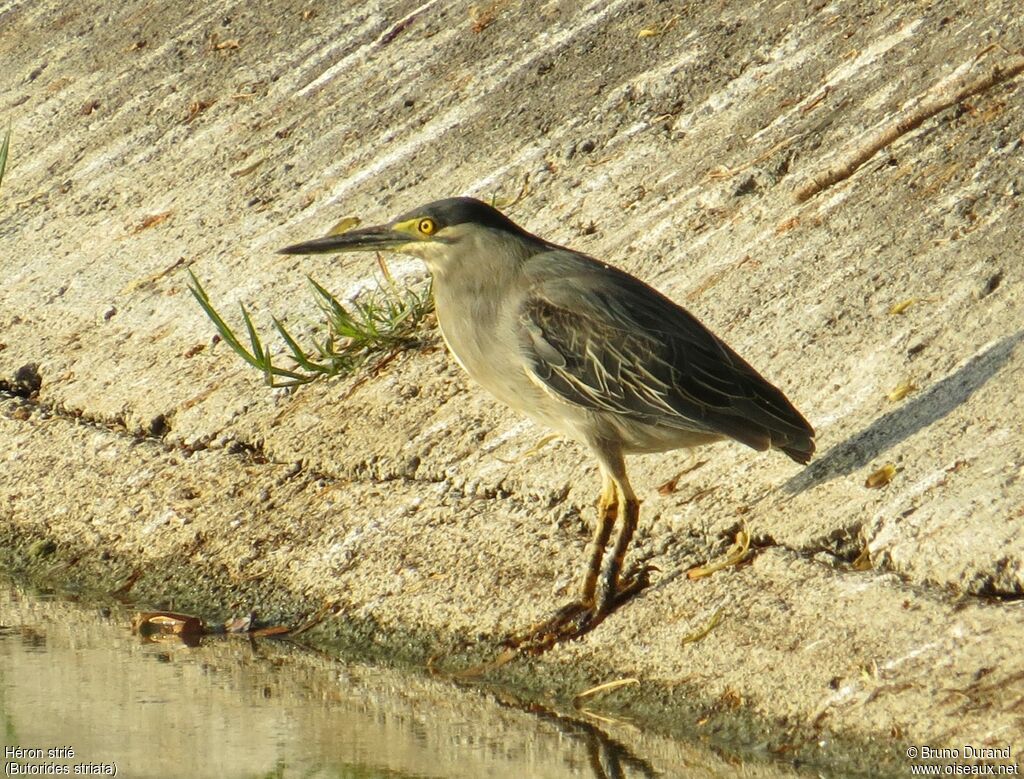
623, 348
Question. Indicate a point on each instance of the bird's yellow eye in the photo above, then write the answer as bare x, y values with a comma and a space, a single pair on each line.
427, 226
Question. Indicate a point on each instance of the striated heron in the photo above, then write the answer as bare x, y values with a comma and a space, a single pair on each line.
586, 349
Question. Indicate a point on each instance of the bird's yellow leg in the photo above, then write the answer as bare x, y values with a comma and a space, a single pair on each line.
614, 591
604, 587
575, 618
607, 510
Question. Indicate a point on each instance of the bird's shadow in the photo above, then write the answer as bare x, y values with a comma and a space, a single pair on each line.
901, 423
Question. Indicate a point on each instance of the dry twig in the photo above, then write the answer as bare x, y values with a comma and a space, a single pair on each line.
904, 123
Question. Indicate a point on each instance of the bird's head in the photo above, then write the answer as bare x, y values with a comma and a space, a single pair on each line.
437, 233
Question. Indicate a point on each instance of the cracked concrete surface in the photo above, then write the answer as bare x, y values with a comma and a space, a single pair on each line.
146, 142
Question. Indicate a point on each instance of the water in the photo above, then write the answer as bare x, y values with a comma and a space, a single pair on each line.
74, 678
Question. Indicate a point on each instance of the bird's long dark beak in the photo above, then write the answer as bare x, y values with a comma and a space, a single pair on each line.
368, 239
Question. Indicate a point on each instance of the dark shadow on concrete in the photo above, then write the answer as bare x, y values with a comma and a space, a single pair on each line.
888, 430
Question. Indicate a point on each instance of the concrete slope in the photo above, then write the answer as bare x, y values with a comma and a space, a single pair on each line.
666, 139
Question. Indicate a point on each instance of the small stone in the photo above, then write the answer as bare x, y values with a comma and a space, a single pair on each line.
183, 493
44, 547
409, 469
159, 426
28, 380
746, 186
990, 285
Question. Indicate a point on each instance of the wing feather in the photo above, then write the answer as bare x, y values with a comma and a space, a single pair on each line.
639, 355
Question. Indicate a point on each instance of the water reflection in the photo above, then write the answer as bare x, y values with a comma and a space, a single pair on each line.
607, 757
74, 678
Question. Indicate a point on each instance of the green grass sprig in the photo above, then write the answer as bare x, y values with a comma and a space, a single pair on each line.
4, 147
379, 323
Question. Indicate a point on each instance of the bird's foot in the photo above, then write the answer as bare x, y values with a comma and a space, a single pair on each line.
633, 582
571, 621
578, 618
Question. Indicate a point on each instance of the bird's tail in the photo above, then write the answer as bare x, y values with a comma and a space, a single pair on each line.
800, 449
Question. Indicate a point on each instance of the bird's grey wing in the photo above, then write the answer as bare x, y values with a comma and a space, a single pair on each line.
606, 341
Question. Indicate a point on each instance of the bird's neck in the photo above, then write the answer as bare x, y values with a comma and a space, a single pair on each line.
476, 293
481, 273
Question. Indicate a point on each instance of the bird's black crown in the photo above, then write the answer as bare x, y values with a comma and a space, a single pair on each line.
461, 210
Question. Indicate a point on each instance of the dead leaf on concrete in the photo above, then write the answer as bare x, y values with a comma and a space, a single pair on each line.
667, 488
902, 306
344, 225
731, 699
154, 624
151, 221
195, 108
736, 554
901, 390
787, 225
658, 29
602, 689
881, 477
152, 278
247, 169
482, 17
697, 635
863, 561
